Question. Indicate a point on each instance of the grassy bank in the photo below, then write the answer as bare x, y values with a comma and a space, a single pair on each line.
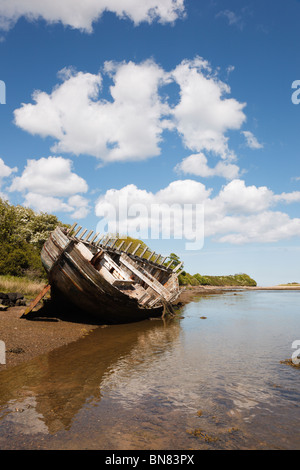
23, 285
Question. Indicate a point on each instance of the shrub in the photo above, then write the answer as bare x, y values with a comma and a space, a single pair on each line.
22, 235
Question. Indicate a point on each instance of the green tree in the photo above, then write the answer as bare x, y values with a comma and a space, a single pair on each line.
22, 235
176, 259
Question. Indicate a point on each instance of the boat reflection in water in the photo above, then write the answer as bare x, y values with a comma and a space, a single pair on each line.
45, 394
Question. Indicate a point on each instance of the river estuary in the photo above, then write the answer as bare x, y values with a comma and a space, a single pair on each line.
210, 379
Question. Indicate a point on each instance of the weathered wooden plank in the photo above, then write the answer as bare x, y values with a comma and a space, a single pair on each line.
169, 265
147, 278
77, 231
127, 248
144, 252
72, 228
113, 244
156, 258
88, 235
106, 242
114, 265
37, 299
122, 282
181, 271
83, 233
136, 249
177, 267
94, 237
100, 241
120, 246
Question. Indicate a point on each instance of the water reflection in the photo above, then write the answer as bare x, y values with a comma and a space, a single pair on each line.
46, 393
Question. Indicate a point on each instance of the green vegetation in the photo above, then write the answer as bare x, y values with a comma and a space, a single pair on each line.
186, 279
22, 235
231, 280
22, 285
291, 284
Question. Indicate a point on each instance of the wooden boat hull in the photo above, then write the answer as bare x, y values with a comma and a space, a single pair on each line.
78, 282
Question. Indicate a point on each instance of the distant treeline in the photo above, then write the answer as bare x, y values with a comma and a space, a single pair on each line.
231, 280
22, 235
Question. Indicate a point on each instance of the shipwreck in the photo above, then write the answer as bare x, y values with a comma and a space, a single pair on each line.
106, 278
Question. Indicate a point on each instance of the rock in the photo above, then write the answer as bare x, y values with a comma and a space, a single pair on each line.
14, 296
11, 299
16, 350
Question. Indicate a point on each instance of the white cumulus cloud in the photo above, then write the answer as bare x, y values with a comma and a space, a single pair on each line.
49, 176
238, 214
251, 140
128, 127
127, 122
81, 15
47, 182
197, 164
204, 114
5, 172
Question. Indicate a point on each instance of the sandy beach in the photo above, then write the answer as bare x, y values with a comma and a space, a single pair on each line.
44, 331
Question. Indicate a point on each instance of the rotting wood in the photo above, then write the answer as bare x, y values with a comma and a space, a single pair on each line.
94, 238
106, 242
120, 246
168, 309
72, 228
156, 258
110, 244
113, 244
77, 231
127, 248
177, 267
144, 252
101, 283
147, 278
83, 233
99, 242
170, 264
37, 299
136, 249
88, 235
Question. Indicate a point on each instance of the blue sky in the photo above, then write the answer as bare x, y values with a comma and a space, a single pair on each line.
191, 104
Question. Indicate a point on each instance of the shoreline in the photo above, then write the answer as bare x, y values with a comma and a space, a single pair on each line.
189, 292
41, 333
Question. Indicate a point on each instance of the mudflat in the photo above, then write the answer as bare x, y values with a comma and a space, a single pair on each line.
26, 338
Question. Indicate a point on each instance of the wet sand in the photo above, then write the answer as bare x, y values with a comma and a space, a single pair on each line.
45, 331
27, 338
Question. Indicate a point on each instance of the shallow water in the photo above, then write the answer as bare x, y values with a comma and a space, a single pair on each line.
191, 383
